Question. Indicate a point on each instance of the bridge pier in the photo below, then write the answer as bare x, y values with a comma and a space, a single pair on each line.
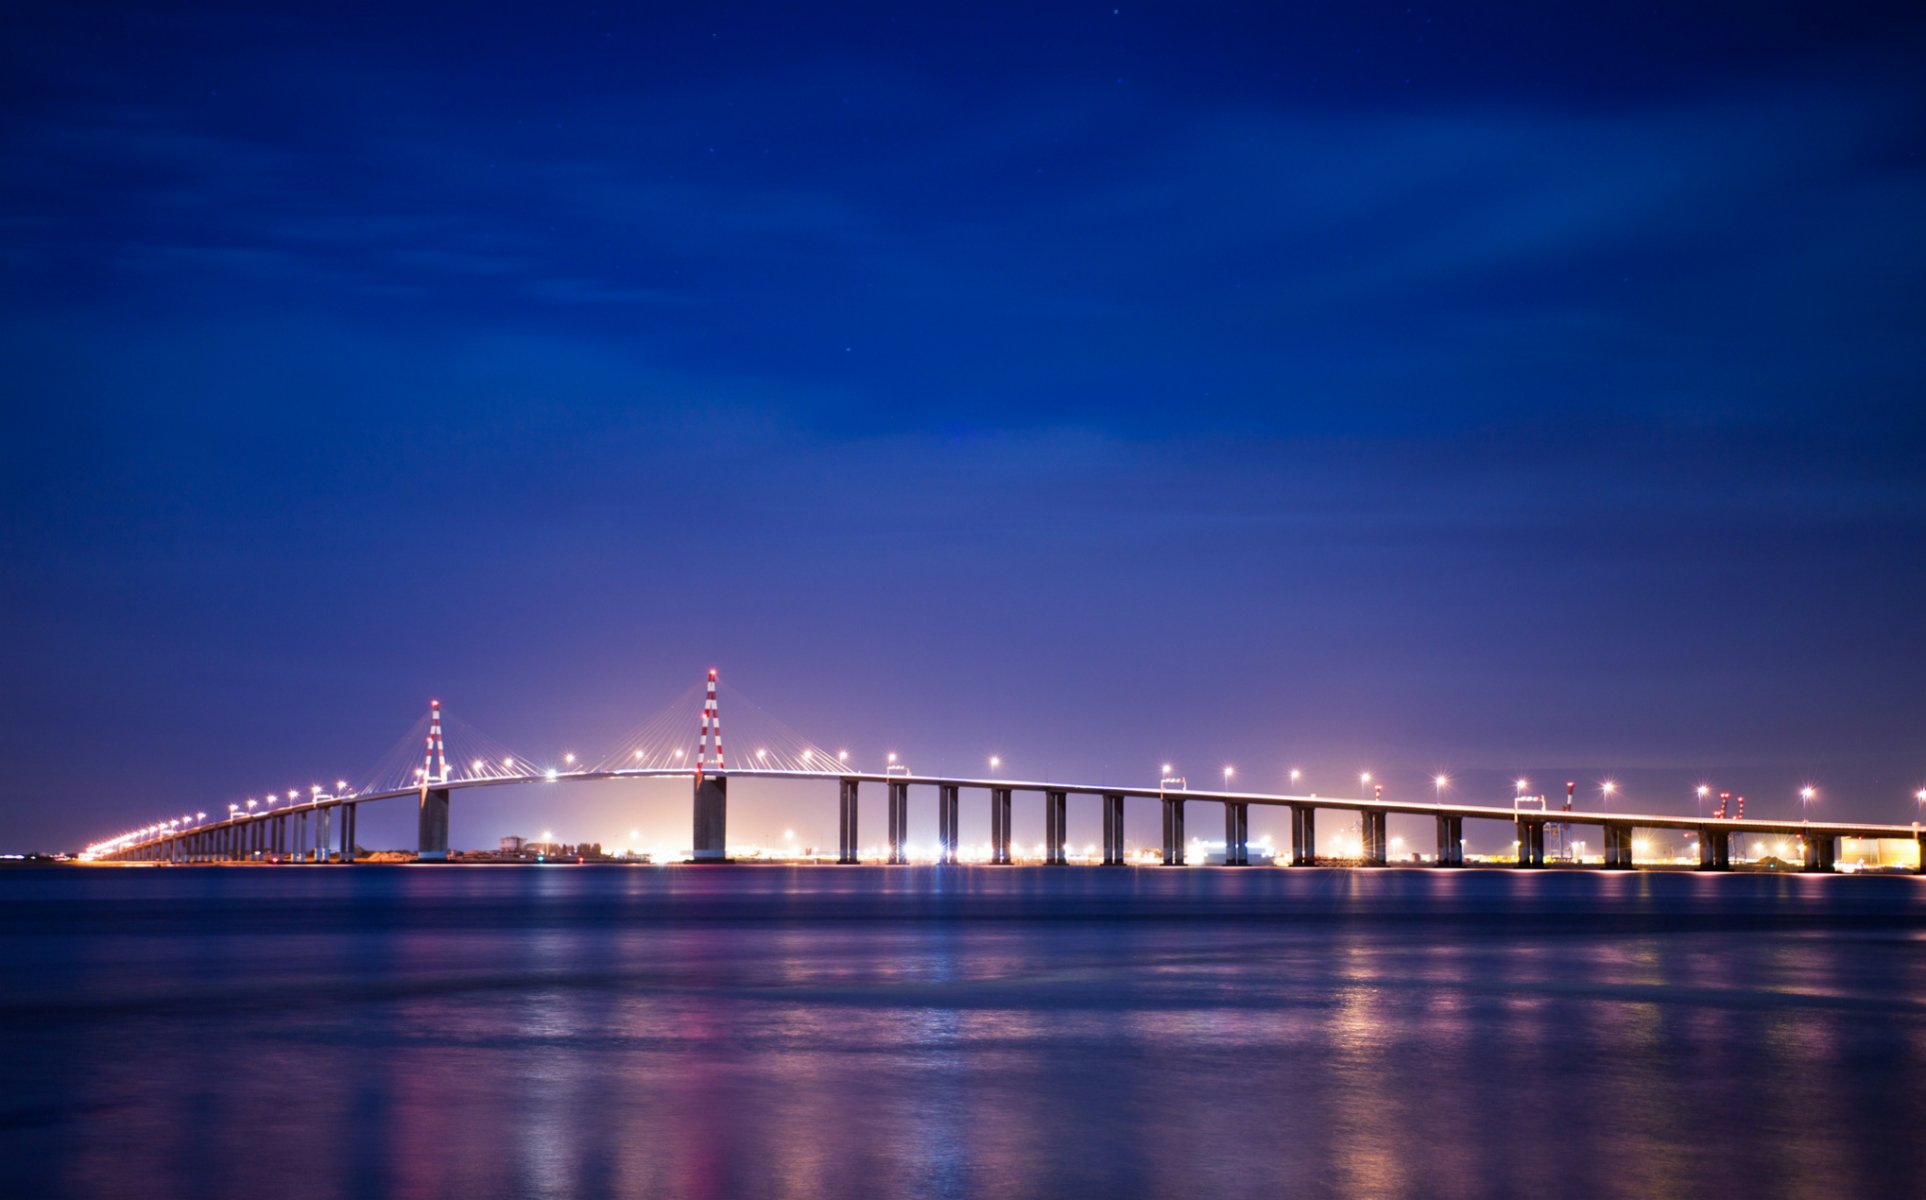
1113, 830
898, 822
1000, 826
711, 818
1173, 832
1920, 838
1372, 840
323, 833
1451, 842
431, 826
349, 831
1056, 814
1821, 853
1618, 847
1303, 835
1531, 843
846, 847
1715, 849
946, 825
1237, 834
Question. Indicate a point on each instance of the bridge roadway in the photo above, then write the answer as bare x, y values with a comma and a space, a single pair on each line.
305, 831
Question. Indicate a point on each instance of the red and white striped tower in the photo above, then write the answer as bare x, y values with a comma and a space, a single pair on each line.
715, 720
434, 756
708, 707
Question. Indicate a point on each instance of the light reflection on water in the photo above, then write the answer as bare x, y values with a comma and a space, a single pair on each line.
869, 1032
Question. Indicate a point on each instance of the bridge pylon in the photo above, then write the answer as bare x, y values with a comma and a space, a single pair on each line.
431, 824
711, 844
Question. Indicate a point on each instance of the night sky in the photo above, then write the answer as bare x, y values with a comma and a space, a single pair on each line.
1492, 389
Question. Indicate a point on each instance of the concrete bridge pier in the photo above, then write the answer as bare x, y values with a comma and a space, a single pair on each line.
1237, 834
1374, 844
846, 845
1173, 831
946, 826
1715, 850
431, 826
348, 833
1531, 843
1113, 830
1451, 842
898, 822
1000, 826
1618, 847
711, 818
1921, 839
1821, 853
1303, 835
1056, 816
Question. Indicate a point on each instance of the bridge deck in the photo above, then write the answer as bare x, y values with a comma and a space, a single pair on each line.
1769, 826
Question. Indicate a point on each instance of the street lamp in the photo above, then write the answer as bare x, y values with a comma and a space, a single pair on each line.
1608, 787
1228, 772
1364, 777
1920, 796
1438, 785
995, 762
1295, 776
1806, 794
1704, 791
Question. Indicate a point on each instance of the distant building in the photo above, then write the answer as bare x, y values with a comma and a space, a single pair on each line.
511, 845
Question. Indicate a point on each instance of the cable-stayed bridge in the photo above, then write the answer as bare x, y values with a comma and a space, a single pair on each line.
442, 755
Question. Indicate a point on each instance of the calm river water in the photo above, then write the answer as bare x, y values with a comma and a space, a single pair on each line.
851, 1032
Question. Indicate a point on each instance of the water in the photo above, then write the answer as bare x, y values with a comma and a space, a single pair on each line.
850, 1032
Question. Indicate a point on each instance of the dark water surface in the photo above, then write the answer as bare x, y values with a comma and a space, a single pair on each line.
849, 1032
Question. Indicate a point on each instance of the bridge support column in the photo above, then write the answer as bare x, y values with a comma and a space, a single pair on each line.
431, 826
946, 824
1056, 813
1113, 830
1921, 840
1715, 849
1451, 842
898, 822
1237, 834
323, 833
1531, 843
1372, 840
1303, 836
1000, 826
711, 819
846, 848
1821, 852
1173, 832
349, 831
1618, 847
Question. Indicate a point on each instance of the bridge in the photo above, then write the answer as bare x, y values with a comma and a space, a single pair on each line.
318, 825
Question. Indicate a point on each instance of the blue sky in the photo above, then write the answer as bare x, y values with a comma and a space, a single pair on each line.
1415, 387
